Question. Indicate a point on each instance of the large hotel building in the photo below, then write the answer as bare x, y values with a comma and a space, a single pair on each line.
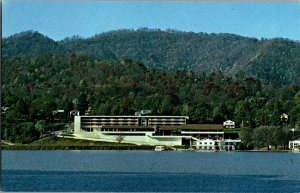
152, 130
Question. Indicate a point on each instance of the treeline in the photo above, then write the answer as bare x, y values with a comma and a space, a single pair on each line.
33, 87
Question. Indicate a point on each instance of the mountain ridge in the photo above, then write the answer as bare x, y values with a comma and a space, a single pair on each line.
267, 59
18, 44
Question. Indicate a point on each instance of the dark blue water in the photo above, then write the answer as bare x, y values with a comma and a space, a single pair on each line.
146, 171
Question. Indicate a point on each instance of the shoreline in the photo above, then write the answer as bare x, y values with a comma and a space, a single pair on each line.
121, 148
108, 148
59, 143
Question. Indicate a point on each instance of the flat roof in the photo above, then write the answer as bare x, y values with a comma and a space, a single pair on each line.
165, 128
296, 140
202, 126
125, 127
194, 127
133, 116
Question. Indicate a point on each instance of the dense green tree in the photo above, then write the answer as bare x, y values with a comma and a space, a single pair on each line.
43, 78
246, 136
12, 115
83, 104
22, 106
166, 105
40, 126
284, 136
265, 136
293, 116
27, 132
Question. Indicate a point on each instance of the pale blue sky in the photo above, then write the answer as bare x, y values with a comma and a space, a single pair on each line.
60, 19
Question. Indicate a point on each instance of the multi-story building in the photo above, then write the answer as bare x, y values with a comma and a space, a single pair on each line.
153, 130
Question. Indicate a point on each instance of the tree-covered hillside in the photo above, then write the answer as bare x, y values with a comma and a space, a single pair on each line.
36, 86
29, 43
277, 59
170, 50
268, 60
40, 76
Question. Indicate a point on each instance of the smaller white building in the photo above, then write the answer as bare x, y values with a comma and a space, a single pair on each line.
205, 144
229, 124
284, 117
229, 144
295, 144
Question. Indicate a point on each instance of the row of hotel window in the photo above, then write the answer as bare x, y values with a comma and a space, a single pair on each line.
128, 130
205, 143
148, 129
132, 123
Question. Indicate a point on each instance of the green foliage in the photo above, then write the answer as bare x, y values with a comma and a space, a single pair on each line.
82, 104
169, 50
268, 60
38, 80
166, 105
111, 88
18, 45
24, 132
120, 138
277, 60
40, 126
265, 136
246, 136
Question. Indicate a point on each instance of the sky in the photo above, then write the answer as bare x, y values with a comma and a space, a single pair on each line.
60, 19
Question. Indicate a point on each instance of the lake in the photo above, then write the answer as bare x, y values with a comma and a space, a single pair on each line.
149, 171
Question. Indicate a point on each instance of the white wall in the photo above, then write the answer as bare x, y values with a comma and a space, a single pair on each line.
294, 144
210, 144
139, 140
77, 123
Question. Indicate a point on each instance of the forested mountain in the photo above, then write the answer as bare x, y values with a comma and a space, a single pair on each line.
40, 76
269, 60
29, 43
278, 60
170, 50
38, 85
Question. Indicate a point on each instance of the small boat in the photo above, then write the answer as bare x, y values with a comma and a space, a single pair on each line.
159, 148
296, 150
190, 149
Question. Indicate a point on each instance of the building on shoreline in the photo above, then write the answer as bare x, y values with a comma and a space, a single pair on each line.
151, 130
295, 144
206, 144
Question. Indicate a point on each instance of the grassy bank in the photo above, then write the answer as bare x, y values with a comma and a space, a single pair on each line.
57, 143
